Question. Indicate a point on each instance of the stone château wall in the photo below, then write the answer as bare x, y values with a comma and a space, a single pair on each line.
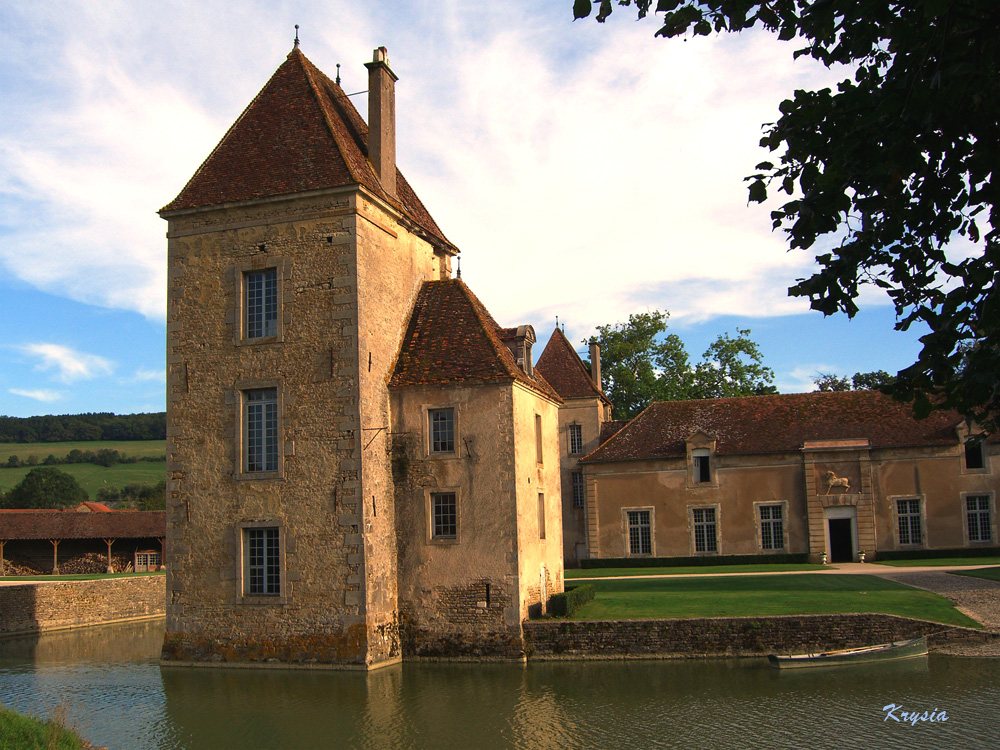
737, 636
34, 607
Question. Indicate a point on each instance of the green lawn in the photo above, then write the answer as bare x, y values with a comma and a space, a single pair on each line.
743, 596
138, 448
92, 477
692, 569
992, 574
937, 561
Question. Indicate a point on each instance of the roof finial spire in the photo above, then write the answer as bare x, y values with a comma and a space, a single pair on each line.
296, 36
557, 322
459, 266
338, 74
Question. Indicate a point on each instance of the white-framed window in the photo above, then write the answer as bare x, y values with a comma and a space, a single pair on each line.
260, 430
575, 439
441, 430
701, 460
978, 518
258, 285
704, 527
772, 527
541, 515
444, 516
579, 490
539, 453
640, 532
908, 521
263, 561
260, 303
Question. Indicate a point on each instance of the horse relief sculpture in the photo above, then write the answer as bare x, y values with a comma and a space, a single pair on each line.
835, 482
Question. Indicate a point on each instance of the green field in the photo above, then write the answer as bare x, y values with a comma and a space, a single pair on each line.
138, 448
747, 596
90, 476
572, 574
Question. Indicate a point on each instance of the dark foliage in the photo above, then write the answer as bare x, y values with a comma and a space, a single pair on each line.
83, 427
45, 487
886, 173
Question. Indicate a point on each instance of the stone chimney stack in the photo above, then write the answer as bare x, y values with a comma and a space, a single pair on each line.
382, 119
595, 364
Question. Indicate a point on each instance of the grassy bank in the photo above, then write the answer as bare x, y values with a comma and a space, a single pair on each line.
137, 448
745, 596
693, 570
18, 732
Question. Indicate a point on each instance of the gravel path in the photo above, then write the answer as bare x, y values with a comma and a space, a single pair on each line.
979, 598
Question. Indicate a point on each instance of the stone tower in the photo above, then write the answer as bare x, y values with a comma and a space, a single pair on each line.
295, 255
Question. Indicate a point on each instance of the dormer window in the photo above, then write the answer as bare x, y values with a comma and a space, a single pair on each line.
974, 457
701, 460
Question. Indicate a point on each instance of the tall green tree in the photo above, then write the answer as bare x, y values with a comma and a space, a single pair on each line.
642, 363
45, 487
888, 170
876, 380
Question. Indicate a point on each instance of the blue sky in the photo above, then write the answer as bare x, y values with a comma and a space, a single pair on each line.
585, 171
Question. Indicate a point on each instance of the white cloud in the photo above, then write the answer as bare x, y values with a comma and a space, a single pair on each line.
39, 395
802, 378
147, 376
70, 365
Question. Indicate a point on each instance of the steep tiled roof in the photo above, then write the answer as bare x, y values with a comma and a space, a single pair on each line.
300, 133
33, 524
775, 424
565, 371
451, 338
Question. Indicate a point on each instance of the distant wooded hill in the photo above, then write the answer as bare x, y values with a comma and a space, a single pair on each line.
77, 427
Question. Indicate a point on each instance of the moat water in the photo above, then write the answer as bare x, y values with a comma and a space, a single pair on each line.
112, 689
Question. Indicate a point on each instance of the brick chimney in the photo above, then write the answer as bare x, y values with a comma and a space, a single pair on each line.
382, 120
595, 364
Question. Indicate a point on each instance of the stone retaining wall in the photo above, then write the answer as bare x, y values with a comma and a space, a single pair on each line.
34, 607
737, 636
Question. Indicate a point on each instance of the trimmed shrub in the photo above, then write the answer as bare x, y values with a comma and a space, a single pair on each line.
674, 562
570, 600
920, 554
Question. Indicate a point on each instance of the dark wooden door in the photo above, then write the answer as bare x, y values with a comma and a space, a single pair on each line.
841, 540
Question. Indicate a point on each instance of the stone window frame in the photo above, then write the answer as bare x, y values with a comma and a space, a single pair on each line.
429, 493
627, 530
541, 515
243, 563
759, 523
426, 412
238, 399
984, 455
991, 509
692, 529
236, 313
701, 445
895, 500
575, 430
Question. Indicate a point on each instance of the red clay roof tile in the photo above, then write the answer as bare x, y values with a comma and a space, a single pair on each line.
565, 371
776, 424
300, 133
452, 338
33, 524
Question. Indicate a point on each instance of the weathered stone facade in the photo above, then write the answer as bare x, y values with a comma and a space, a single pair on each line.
61, 605
294, 532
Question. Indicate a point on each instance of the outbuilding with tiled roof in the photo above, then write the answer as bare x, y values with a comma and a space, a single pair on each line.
823, 476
